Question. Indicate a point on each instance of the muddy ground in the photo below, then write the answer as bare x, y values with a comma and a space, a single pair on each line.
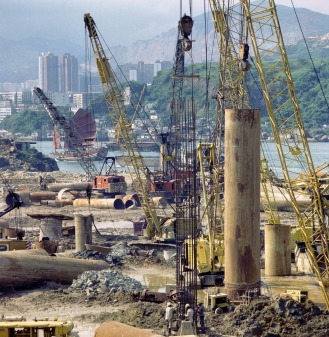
53, 300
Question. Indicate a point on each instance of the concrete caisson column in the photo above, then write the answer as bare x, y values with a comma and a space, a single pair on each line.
242, 194
277, 250
51, 228
83, 231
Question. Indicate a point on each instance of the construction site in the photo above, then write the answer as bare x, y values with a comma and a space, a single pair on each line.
212, 243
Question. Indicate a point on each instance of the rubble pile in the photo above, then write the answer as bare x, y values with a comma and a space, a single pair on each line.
90, 254
276, 318
104, 281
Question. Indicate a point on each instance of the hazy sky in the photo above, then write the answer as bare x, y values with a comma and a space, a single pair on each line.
121, 22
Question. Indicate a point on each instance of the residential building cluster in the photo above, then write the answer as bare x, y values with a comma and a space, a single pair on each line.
62, 83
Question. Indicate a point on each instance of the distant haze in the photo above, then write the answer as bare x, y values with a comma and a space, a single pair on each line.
121, 22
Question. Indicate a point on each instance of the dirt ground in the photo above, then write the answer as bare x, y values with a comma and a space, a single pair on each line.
88, 312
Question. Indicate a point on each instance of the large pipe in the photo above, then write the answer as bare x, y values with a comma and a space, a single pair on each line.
28, 267
57, 203
277, 250
56, 187
132, 197
242, 194
38, 196
83, 232
100, 203
116, 329
159, 202
24, 195
284, 206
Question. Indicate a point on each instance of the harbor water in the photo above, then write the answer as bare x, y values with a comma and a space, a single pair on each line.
319, 152
46, 148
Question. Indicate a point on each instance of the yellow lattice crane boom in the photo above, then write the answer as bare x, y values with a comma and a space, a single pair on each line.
288, 131
123, 127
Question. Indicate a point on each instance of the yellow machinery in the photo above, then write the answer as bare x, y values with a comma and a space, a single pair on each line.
288, 130
9, 244
213, 302
123, 128
33, 328
297, 295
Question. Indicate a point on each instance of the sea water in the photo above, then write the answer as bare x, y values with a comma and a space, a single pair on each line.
319, 152
74, 167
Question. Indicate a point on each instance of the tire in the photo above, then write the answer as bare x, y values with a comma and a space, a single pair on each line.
218, 311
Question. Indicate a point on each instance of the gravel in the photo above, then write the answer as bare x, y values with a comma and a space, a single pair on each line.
104, 281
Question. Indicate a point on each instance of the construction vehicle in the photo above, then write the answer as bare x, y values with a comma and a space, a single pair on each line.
34, 328
297, 295
288, 131
109, 184
217, 303
124, 132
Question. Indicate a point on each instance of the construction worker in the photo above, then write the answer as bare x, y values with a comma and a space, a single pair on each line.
169, 316
189, 313
201, 315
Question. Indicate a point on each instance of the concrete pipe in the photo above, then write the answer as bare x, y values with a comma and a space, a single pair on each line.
57, 203
62, 191
38, 196
277, 250
242, 195
24, 195
134, 197
129, 203
100, 203
119, 196
83, 232
26, 267
56, 187
116, 329
284, 206
4, 223
51, 228
159, 202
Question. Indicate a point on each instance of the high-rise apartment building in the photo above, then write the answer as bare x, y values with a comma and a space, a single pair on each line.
69, 73
48, 72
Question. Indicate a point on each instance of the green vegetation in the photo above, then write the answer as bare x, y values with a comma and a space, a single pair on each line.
312, 104
26, 122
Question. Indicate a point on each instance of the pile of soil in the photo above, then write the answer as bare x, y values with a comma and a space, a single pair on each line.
276, 318
145, 315
45, 300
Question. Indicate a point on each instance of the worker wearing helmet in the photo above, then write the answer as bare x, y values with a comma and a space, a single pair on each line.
189, 313
201, 315
169, 316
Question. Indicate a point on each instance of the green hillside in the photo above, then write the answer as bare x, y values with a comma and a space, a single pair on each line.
312, 104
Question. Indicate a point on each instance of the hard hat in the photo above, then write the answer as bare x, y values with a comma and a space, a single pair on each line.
169, 304
187, 306
200, 302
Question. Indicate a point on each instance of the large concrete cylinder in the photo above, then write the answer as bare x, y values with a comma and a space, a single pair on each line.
56, 187
25, 267
83, 232
51, 228
116, 329
277, 250
242, 193
100, 203
38, 196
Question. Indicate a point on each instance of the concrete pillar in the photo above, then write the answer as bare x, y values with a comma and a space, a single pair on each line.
277, 250
51, 228
242, 193
83, 231
163, 152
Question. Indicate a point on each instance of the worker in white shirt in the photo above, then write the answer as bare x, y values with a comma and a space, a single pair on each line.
189, 313
169, 316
